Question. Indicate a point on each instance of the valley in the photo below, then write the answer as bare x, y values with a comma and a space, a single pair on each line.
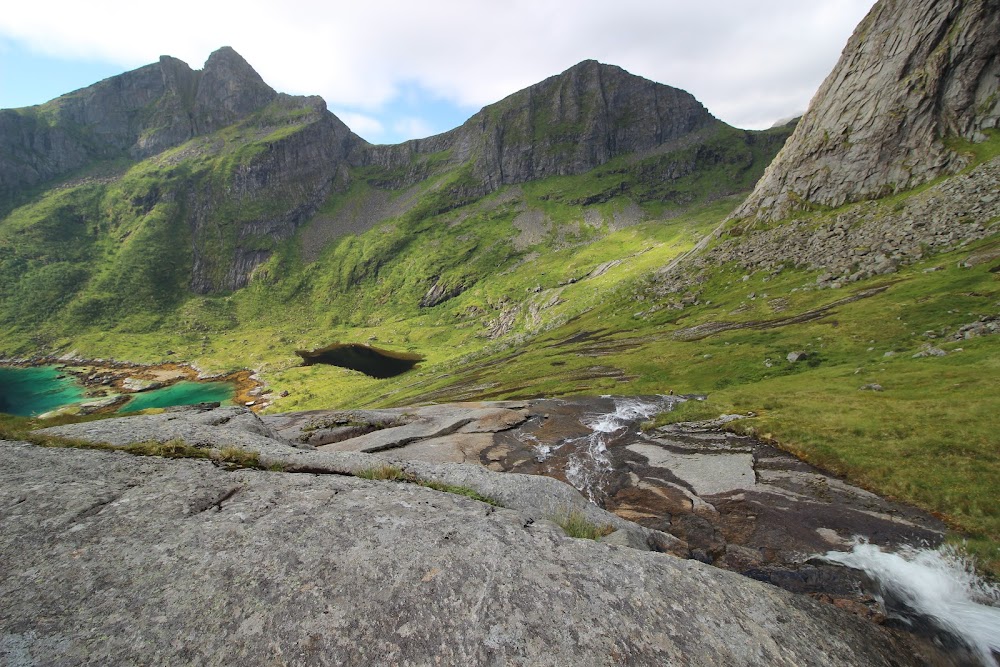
741, 347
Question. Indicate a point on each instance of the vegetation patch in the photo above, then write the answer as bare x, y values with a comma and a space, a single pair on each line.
688, 411
384, 472
576, 524
458, 490
391, 473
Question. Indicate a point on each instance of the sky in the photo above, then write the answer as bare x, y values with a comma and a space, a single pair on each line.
396, 70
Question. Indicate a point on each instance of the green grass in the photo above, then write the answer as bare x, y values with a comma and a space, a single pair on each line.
458, 490
384, 472
575, 524
688, 411
390, 473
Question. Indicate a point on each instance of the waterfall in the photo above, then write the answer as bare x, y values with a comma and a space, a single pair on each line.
589, 462
937, 585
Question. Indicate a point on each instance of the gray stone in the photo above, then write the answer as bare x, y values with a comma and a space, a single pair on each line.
707, 474
114, 559
912, 74
624, 538
930, 351
797, 356
537, 497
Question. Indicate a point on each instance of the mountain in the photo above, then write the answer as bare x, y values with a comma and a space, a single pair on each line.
915, 79
181, 181
138, 114
567, 124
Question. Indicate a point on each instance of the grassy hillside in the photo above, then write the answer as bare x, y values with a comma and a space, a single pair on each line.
544, 289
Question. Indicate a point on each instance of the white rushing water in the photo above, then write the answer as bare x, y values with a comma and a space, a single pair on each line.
589, 463
938, 584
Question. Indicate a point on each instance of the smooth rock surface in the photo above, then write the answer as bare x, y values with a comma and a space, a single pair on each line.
114, 559
539, 498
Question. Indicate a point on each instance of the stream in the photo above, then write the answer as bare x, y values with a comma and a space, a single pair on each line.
737, 502
746, 506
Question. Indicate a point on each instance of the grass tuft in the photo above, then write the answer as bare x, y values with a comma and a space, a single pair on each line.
458, 490
576, 524
384, 472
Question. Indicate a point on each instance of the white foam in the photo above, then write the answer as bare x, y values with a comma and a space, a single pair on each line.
939, 584
589, 463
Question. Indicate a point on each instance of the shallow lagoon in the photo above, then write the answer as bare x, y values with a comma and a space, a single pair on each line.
182, 393
33, 391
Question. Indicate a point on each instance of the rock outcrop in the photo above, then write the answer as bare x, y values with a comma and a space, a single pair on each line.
867, 239
913, 77
268, 196
111, 558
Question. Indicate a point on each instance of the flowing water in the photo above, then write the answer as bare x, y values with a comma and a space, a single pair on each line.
932, 591
936, 586
588, 465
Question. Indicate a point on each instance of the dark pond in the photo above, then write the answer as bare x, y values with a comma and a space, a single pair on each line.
369, 360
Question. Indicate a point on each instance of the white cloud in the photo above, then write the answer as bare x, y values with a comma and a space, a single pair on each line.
749, 63
363, 125
412, 128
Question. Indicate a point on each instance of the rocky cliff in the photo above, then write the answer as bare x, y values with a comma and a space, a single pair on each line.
280, 183
914, 78
135, 114
566, 124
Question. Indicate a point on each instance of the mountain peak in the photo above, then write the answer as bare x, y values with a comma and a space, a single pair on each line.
226, 59
228, 89
574, 121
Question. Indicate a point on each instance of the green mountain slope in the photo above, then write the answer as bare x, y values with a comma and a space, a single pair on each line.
572, 238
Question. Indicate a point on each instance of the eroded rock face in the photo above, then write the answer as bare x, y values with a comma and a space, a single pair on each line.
566, 124
913, 74
115, 559
138, 113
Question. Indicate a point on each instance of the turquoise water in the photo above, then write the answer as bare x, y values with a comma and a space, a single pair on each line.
182, 393
30, 392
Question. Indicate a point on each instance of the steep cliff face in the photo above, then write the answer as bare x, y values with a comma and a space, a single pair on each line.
265, 196
914, 75
567, 124
135, 114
